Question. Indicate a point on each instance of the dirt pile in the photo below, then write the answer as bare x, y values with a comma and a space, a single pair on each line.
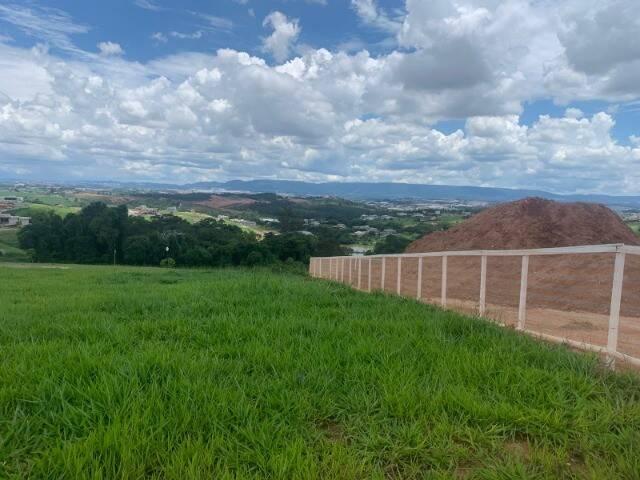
531, 223
574, 283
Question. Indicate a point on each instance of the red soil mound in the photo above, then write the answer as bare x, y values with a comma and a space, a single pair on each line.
218, 201
563, 282
531, 223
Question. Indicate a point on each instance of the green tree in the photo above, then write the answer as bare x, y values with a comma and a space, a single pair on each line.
391, 244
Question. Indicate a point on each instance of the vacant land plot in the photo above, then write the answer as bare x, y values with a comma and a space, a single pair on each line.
218, 201
146, 373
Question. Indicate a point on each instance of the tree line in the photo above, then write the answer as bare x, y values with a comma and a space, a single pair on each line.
100, 234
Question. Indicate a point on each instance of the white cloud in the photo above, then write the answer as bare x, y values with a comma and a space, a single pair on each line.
159, 37
285, 34
218, 23
342, 115
187, 36
47, 24
236, 116
148, 5
110, 48
371, 14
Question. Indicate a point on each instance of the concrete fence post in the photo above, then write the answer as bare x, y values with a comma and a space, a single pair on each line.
419, 286
483, 285
384, 272
359, 272
443, 289
369, 277
614, 310
524, 280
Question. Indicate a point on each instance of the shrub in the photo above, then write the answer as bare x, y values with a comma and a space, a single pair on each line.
168, 263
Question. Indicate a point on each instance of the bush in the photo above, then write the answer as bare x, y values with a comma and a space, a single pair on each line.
168, 263
255, 258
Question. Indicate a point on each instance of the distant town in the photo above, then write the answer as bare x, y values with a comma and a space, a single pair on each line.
360, 227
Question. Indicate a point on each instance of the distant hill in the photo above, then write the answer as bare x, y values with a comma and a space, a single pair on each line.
373, 191
398, 191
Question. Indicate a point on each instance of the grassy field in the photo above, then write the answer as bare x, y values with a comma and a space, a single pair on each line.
192, 216
176, 374
9, 247
34, 208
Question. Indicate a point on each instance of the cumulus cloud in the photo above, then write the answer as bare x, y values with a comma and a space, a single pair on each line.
285, 33
342, 114
234, 115
371, 14
110, 48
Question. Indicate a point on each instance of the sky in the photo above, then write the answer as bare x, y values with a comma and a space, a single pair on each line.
538, 94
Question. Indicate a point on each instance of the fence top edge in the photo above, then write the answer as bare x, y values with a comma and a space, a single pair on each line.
632, 249
582, 249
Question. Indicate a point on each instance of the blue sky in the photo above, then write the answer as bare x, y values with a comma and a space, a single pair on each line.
513, 93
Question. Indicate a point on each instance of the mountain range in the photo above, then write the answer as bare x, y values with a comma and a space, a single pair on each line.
372, 191
408, 191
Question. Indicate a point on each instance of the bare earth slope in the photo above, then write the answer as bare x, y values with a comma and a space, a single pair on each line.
578, 283
531, 223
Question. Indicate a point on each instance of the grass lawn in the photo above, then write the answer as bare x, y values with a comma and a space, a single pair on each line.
176, 374
9, 247
34, 208
192, 216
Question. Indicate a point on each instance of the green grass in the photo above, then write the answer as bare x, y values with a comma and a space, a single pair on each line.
192, 216
9, 247
635, 226
40, 196
176, 374
28, 210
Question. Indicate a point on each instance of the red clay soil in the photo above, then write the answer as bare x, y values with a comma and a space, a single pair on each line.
578, 283
531, 223
218, 201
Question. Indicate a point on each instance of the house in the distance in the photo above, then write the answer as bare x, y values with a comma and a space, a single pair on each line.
7, 220
144, 211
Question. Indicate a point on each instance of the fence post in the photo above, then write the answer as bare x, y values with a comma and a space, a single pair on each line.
614, 311
419, 288
351, 271
369, 277
384, 272
342, 270
359, 272
524, 280
443, 293
320, 264
399, 279
483, 285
